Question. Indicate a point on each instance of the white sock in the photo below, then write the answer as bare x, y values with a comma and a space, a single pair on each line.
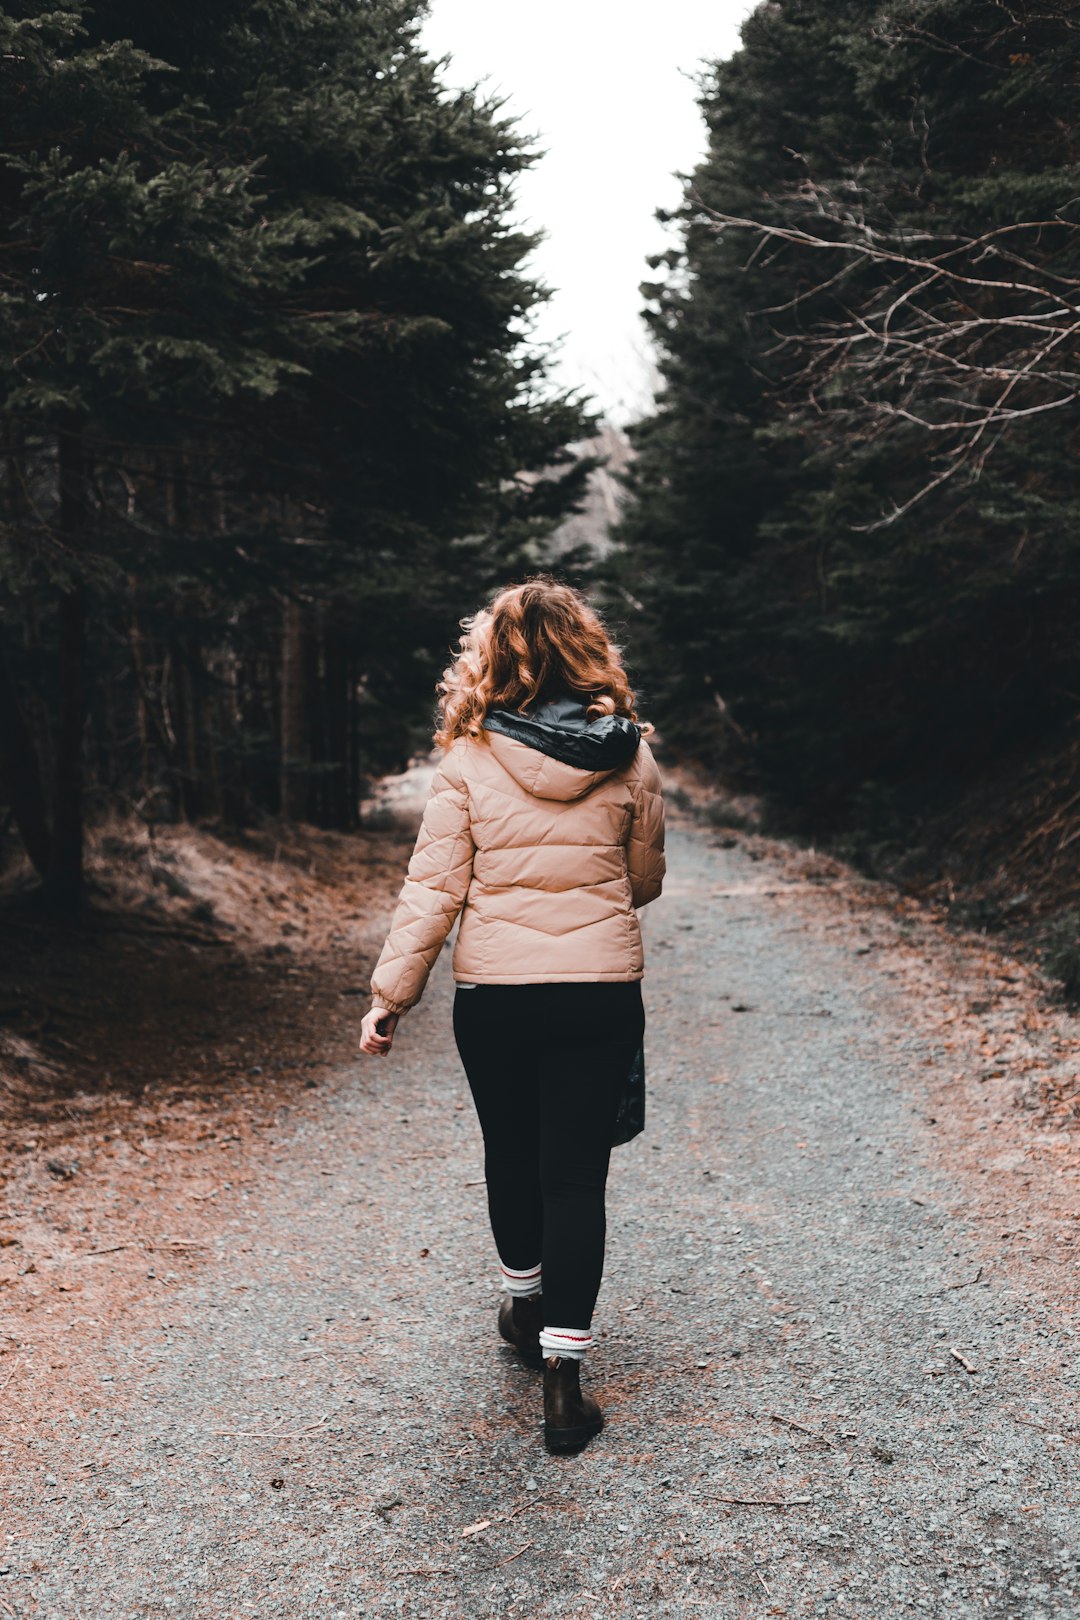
520, 1283
569, 1342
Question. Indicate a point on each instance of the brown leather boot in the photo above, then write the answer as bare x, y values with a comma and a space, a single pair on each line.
570, 1418
520, 1321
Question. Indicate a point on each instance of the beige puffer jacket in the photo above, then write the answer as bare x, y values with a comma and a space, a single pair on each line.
545, 861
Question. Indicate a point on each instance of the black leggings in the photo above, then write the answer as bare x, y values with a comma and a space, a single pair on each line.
546, 1065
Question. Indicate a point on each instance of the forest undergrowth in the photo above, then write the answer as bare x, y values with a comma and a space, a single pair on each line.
202, 966
1001, 854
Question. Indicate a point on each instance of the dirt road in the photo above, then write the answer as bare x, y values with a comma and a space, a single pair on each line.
250, 1365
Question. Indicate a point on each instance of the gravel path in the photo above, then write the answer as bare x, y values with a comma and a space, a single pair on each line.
829, 1388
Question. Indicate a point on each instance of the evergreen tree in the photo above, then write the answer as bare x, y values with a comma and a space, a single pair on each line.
866, 621
266, 389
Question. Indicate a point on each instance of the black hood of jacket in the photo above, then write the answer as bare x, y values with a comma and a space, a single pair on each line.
563, 730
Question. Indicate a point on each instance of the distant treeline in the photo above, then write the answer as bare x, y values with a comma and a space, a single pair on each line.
855, 533
263, 403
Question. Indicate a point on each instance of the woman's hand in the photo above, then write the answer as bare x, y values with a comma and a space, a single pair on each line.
371, 1041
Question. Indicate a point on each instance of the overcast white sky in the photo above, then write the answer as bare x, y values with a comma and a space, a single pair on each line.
611, 97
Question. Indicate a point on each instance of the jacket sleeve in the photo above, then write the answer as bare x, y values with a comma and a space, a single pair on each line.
645, 859
433, 893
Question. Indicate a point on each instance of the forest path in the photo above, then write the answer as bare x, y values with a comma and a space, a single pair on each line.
835, 1349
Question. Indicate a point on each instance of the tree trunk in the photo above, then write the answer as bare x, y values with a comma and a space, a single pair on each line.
233, 797
187, 720
38, 713
336, 730
142, 705
295, 743
214, 730
19, 757
354, 746
64, 879
28, 726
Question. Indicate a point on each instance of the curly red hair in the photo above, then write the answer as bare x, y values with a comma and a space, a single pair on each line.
532, 642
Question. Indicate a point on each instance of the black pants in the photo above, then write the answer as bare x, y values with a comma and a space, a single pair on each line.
546, 1064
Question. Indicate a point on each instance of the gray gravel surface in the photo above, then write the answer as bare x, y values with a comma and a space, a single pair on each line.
319, 1420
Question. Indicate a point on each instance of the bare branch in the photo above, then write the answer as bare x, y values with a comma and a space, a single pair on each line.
913, 329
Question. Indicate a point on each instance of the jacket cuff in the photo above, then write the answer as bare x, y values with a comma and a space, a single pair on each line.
399, 1007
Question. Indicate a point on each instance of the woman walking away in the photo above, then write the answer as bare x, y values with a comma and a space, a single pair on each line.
544, 829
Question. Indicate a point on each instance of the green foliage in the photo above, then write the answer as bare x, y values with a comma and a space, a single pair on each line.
852, 646
259, 267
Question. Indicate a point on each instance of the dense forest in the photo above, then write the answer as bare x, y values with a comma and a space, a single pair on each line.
854, 533
272, 421
265, 404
